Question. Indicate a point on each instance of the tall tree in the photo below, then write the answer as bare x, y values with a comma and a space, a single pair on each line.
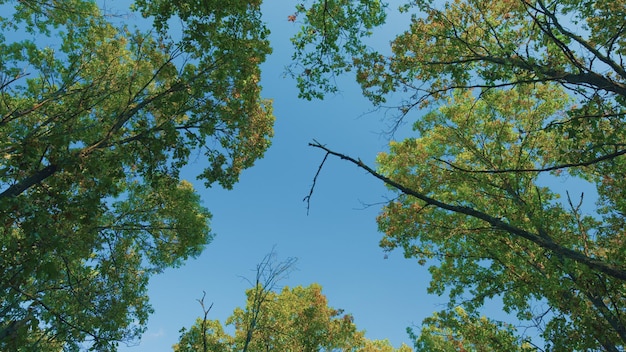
268, 274
96, 120
296, 319
513, 101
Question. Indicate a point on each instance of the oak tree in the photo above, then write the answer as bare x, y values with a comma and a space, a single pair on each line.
97, 118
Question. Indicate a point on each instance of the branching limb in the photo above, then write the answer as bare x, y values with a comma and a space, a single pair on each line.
584, 43
268, 273
307, 199
545, 169
204, 321
541, 239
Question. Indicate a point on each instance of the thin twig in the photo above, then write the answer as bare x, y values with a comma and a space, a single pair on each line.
307, 199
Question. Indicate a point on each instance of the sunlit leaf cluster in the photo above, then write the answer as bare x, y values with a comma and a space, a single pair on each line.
329, 35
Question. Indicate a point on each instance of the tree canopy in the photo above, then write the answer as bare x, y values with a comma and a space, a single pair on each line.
296, 319
512, 102
96, 120
515, 105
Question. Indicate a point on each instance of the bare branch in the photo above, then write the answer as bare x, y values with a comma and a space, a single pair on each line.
204, 321
307, 199
268, 273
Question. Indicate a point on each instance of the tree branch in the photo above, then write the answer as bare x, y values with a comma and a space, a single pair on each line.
307, 199
204, 321
541, 239
104, 142
17, 189
596, 53
267, 275
550, 168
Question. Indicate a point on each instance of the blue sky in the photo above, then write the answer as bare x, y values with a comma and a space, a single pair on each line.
336, 244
